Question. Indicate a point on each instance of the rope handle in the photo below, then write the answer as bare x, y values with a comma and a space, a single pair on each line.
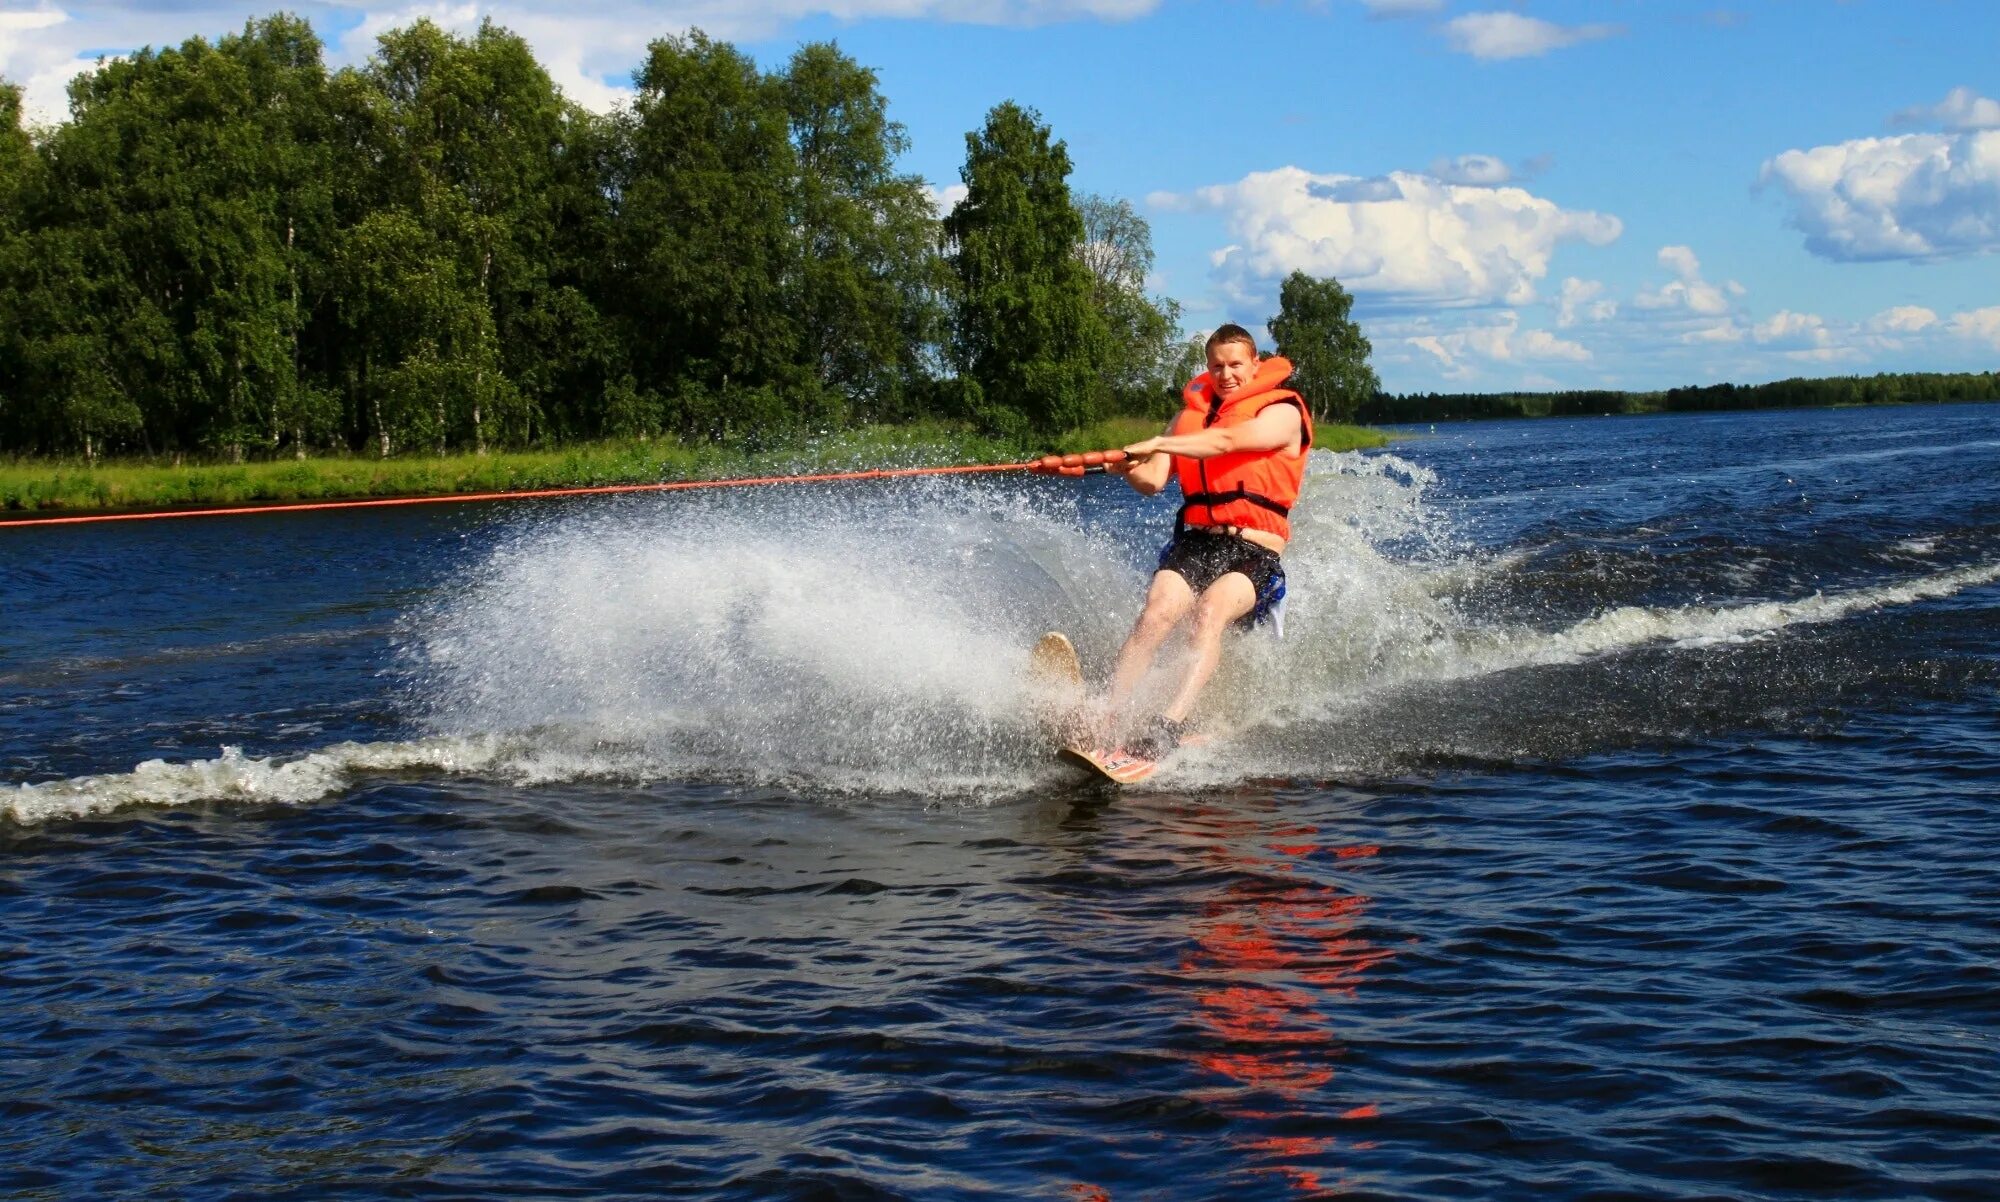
1087, 463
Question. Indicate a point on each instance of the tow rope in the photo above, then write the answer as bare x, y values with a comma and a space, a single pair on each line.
1047, 465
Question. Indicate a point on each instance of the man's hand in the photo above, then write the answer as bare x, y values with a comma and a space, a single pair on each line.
1136, 456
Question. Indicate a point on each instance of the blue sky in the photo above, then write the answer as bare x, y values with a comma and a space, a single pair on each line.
1540, 194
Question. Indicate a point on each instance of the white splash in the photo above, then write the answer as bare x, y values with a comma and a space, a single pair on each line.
874, 640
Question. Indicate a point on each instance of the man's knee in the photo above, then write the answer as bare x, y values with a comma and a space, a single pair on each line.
1223, 605
1159, 618
1167, 602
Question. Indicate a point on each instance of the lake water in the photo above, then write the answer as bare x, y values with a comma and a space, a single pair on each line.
1619, 818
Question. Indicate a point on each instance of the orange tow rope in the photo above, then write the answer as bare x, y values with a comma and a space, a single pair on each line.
1047, 465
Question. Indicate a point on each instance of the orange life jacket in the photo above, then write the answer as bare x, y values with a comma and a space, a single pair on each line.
1252, 490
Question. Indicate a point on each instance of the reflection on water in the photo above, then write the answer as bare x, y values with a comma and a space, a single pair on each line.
1272, 951
1272, 960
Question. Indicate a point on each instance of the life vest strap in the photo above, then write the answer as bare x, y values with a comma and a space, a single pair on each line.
1209, 500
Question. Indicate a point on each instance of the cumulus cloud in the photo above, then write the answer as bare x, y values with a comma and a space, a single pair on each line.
1580, 302
1688, 291
1714, 332
944, 199
1903, 319
1793, 329
1961, 109
1982, 325
1510, 35
1914, 196
1405, 236
1461, 353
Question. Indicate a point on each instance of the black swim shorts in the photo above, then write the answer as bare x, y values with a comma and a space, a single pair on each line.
1202, 557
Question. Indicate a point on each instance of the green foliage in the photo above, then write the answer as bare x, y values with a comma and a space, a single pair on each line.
18, 178
702, 240
231, 253
1143, 356
1026, 340
863, 252
1329, 353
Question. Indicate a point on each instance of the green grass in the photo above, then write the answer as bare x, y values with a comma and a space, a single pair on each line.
49, 485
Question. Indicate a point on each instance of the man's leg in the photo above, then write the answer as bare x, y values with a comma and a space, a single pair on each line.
1167, 602
1219, 606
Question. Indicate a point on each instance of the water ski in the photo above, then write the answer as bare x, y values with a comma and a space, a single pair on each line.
1056, 677
1117, 766
1054, 667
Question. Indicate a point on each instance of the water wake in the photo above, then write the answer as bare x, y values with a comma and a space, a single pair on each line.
873, 639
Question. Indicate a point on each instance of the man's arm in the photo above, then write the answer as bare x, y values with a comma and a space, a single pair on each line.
1148, 473
1277, 428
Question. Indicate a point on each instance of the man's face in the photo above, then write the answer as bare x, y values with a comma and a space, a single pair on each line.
1231, 365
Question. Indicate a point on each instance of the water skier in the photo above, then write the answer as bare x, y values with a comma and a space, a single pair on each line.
1238, 450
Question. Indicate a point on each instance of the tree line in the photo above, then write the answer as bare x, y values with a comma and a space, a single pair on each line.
1887, 388
231, 251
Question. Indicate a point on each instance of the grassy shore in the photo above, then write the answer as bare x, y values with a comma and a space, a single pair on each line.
49, 486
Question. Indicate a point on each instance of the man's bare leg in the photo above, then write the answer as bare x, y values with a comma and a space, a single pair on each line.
1222, 604
1167, 602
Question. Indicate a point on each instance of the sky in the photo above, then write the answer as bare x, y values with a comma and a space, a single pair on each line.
1545, 194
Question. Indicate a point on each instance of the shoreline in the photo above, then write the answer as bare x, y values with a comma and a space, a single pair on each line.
35, 489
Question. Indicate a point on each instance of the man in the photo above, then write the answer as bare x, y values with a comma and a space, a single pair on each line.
1238, 449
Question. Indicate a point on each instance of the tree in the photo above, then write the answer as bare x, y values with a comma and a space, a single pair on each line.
702, 243
1143, 351
473, 139
17, 164
1027, 341
864, 255
166, 253
1329, 353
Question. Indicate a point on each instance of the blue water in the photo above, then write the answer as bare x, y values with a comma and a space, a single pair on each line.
1616, 820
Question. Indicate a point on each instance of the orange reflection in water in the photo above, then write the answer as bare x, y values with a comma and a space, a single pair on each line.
1270, 957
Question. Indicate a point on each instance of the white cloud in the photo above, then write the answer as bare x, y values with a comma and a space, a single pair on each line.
1579, 302
1460, 353
15, 23
945, 199
1473, 170
1903, 319
1982, 325
1797, 329
1407, 236
1914, 196
1511, 35
35, 53
590, 50
1808, 337
1688, 291
1723, 332
1961, 109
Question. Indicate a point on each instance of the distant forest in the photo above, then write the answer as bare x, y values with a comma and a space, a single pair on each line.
1906, 388
231, 251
